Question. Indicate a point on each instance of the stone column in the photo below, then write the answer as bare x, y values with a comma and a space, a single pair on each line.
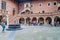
37, 21
44, 22
17, 21
52, 21
7, 21
25, 21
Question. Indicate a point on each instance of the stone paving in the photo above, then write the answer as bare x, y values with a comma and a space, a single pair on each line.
32, 33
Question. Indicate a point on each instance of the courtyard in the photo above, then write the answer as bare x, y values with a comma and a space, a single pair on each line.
32, 33
29, 13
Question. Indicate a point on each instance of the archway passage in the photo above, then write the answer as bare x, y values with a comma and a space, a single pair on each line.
34, 21
56, 21
59, 9
21, 20
48, 20
28, 20
41, 21
1, 17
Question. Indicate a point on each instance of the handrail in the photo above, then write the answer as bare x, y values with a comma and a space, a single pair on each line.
49, 13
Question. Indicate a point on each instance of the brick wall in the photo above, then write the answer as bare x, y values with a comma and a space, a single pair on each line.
10, 5
37, 8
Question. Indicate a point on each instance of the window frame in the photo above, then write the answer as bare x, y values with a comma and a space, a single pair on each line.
3, 5
48, 4
43, 11
25, 5
40, 4
55, 2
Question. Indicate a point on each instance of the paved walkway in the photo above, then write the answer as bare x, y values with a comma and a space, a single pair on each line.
11, 35
32, 33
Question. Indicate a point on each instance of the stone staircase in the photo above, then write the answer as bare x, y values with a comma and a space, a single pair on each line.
14, 19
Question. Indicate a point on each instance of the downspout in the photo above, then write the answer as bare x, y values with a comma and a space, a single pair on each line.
18, 7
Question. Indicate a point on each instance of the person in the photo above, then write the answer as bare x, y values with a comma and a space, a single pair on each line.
58, 23
34, 23
3, 25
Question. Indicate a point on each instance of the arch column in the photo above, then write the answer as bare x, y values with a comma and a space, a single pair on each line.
25, 21
44, 22
7, 21
53, 21
37, 20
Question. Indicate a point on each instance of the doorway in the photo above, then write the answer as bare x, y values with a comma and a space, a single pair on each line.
1, 17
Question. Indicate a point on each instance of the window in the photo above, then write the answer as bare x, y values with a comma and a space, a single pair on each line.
13, 11
55, 3
49, 4
3, 5
27, 5
31, 5
31, 12
40, 4
43, 11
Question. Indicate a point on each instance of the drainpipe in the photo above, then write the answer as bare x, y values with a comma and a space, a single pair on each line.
18, 7
18, 11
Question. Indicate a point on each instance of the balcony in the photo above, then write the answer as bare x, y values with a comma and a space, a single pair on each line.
40, 14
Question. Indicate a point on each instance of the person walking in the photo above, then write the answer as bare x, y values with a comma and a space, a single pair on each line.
3, 25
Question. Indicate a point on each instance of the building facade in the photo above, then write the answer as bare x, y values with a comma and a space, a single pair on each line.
40, 12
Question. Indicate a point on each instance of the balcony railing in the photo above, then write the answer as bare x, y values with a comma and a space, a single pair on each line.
50, 13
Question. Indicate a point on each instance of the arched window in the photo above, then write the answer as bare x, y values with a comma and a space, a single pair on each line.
1, 18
